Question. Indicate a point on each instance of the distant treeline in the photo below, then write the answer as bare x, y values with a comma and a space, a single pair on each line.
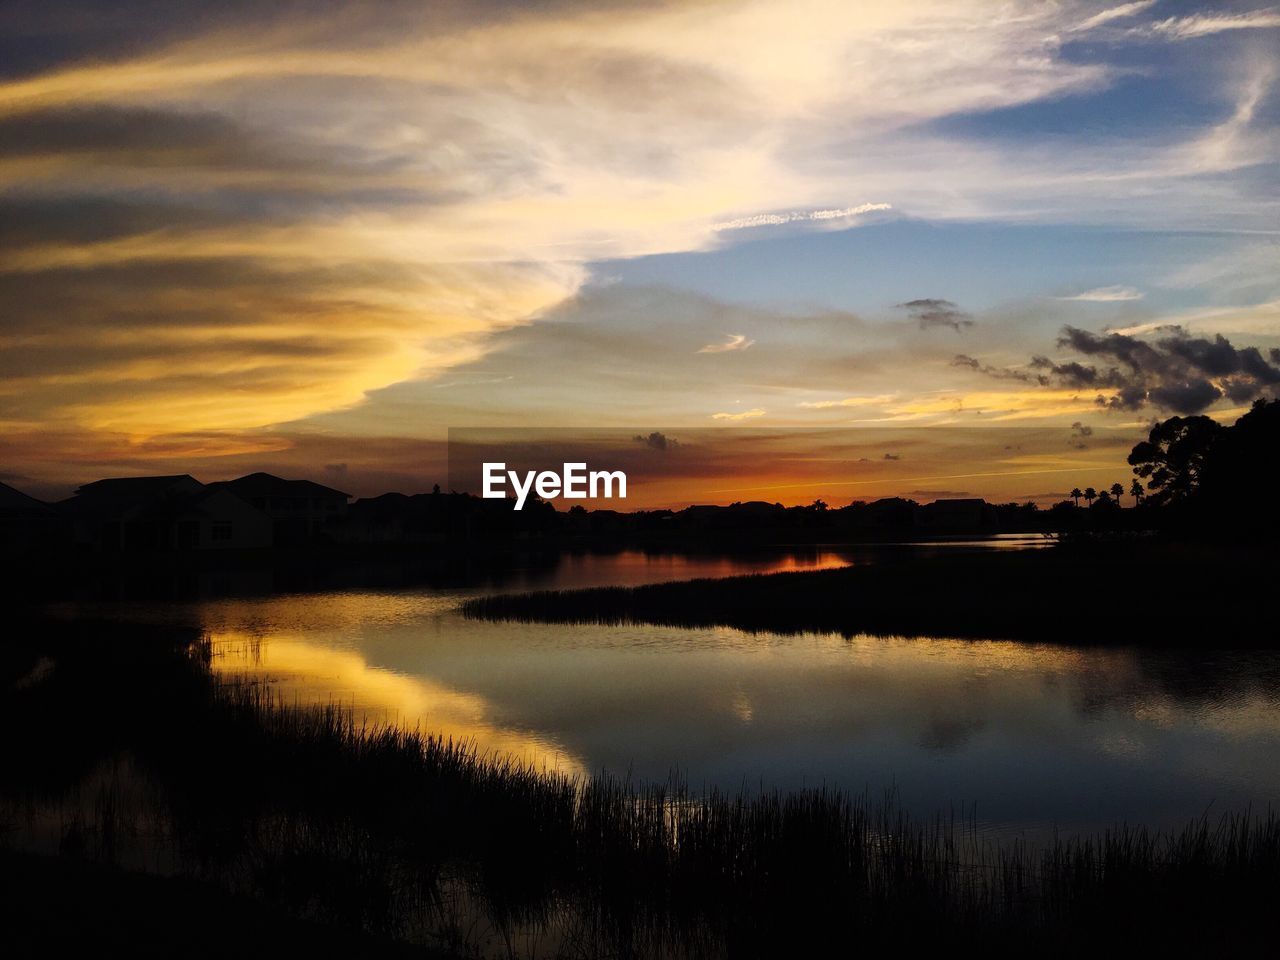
1191, 475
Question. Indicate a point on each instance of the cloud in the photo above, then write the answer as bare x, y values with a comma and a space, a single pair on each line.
736, 341
892, 456
872, 401
998, 373
1079, 431
1261, 319
656, 441
938, 494
1175, 372
931, 312
744, 415
1116, 294
1206, 24
225, 223
1112, 13
774, 219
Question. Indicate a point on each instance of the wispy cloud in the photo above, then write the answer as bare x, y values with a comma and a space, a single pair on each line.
744, 415
775, 219
1112, 13
932, 312
1261, 319
875, 401
1206, 24
1113, 294
736, 341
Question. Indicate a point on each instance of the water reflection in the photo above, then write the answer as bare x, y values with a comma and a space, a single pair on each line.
307, 672
1035, 736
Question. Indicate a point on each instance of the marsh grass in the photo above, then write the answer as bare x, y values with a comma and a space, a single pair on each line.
1129, 594
406, 836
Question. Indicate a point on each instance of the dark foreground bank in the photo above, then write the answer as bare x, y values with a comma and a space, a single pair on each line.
1114, 592
133, 777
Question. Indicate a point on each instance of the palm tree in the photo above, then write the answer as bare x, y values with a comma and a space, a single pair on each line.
1076, 495
1136, 491
1090, 494
1117, 491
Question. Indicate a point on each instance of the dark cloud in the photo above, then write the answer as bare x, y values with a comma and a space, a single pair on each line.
931, 312
1074, 374
1176, 371
1078, 432
999, 373
36, 35
893, 456
656, 440
938, 494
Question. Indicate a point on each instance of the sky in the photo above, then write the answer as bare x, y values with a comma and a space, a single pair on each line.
313, 237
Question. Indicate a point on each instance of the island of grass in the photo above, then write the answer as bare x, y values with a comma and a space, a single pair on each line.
1145, 592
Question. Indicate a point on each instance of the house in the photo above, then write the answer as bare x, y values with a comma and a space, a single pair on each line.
28, 525
895, 513
396, 518
145, 514
300, 510
967, 513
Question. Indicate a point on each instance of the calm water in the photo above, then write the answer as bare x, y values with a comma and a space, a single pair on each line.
1027, 737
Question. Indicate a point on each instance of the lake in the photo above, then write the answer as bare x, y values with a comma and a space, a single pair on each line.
1024, 738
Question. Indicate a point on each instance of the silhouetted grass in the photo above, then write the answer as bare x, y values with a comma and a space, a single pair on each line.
1088, 593
405, 836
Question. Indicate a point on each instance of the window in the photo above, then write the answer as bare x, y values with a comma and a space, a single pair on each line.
220, 530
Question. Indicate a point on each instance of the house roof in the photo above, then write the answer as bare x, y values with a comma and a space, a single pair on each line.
140, 488
268, 485
120, 495
15, 503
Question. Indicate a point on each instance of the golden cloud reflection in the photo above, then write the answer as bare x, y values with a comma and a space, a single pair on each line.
311, 673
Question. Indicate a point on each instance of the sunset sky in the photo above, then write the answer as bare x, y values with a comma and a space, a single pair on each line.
312, 237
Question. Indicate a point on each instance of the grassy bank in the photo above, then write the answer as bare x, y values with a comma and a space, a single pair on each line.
1129, 593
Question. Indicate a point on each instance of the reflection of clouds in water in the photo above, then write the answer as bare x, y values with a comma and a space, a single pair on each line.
310, 673
1118, 744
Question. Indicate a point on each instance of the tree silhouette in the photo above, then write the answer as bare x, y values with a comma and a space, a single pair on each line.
1076, 494
1240, 466
1136, 491
1172, 456
1090, 494
1117, 491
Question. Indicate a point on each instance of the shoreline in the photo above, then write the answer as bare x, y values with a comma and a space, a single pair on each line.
1114, 593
